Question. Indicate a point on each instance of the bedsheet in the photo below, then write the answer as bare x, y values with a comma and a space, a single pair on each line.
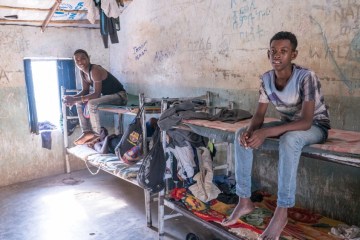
342, 146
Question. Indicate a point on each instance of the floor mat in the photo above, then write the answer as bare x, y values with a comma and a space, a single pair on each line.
302, 223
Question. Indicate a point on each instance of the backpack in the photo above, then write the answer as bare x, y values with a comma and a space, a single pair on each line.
152, 170
130, 148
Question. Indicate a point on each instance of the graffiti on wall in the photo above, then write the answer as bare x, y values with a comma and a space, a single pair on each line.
200, 44
247, 19
14, 39
3, 77
166, 53
139, 51
342, 42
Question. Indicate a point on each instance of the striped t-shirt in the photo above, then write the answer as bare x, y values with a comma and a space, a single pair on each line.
303, 85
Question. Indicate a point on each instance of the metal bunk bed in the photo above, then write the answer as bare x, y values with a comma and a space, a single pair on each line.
342, 147
164, 200
130, 109
85, 153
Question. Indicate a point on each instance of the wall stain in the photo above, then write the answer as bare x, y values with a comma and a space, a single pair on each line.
227, 73
344, 75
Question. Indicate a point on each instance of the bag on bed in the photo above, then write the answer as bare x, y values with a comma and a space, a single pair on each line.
152, 170
130, 148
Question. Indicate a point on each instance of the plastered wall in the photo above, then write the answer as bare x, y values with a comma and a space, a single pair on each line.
22, 157
184, 48
188, 47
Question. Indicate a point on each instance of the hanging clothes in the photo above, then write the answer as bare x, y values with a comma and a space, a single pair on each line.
185, 157
45, 131
204, 188
92, 11
108, 25
111, 8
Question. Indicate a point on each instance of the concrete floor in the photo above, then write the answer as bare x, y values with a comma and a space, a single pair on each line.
81, 206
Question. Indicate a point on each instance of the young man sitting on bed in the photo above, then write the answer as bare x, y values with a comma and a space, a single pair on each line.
295, 93
106, 89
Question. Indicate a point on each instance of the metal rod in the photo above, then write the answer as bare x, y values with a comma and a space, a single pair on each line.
65, 127
148, 208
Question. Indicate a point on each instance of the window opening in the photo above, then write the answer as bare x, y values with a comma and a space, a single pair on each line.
46, 95
44, 79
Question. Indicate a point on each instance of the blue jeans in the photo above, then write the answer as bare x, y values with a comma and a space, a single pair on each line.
290, 147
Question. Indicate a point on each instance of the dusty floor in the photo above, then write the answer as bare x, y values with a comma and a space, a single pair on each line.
80, 206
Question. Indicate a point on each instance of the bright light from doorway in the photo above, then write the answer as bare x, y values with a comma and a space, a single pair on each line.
46, 91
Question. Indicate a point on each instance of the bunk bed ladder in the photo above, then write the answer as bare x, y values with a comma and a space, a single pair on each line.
65, 117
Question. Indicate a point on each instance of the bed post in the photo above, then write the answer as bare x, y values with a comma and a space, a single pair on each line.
161, 195
143, 126
65, 129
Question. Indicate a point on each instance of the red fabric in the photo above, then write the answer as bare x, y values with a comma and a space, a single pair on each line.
210, 215
178, 193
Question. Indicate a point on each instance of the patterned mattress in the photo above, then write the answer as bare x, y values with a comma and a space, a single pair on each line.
106, 162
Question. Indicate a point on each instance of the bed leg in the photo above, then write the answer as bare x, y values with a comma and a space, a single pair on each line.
161, 215
147, 208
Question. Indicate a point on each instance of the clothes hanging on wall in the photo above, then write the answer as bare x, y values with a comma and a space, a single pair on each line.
185, 158
110, 8
45, 131
92, 11
108, 25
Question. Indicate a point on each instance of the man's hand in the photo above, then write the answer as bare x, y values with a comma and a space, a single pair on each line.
68, 100
244, 138
257, 138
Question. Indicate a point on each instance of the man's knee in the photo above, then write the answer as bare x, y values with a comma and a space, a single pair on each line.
93, 105
79, 107
292, 139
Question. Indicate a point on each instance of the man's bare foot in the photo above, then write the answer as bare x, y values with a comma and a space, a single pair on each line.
244, 207
276, 225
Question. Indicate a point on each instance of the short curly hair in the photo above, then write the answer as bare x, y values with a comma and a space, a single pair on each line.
81, 51
286, 36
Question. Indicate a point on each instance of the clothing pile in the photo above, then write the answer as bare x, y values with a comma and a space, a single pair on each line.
190, 155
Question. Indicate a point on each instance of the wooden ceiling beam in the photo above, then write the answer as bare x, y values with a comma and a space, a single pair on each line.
41, 9
50, 22
50, 14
